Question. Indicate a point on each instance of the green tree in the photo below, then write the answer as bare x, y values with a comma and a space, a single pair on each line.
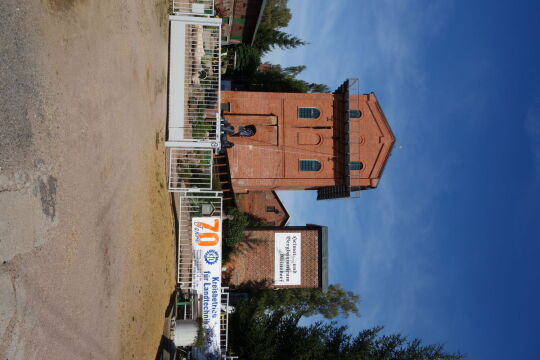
276, 14
233, 229
268, 39
283, 80
267, 327
335, 301
319, 88
277, 335
294, 70
247, 58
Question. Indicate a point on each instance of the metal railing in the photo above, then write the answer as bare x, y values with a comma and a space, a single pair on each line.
194, 131
190, 169
224, 321
202, 84
193, 7
194, 82
192, 205
186, 306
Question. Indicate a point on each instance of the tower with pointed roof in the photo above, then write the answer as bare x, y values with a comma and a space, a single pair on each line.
337, 144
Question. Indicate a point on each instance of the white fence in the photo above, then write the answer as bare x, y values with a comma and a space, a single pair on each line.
193, 7
192, 205
194, 82
190, 169
224, 321
194, 133
186, 308
203, 74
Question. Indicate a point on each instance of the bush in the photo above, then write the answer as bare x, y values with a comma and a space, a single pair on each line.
234, 229
199, 341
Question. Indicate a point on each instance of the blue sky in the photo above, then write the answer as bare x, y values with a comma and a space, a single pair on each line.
447, 247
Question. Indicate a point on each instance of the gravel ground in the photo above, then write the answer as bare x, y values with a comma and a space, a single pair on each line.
86, 230
20, 100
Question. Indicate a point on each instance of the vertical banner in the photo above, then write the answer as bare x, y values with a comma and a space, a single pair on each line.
206, 279
287, 259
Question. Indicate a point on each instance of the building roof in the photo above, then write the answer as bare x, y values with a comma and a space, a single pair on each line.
259, 19
287, 217
383, 123
344, 191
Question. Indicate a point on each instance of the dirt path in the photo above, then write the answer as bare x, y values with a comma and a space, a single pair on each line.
86, 231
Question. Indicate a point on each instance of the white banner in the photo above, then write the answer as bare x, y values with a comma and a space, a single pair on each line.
207, 279
287, 259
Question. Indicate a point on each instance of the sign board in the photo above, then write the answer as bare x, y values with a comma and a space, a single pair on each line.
206, 279
287, 259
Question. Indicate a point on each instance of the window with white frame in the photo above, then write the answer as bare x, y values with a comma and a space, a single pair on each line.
309, 165
308, 113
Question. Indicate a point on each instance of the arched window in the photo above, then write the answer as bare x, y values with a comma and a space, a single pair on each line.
356, 165
308, 113
355, 114
309, 165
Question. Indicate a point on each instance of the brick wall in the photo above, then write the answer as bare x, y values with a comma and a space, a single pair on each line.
253, 260
269, 160
259, 205
239, 19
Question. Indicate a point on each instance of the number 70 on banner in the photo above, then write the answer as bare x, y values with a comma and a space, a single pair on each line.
210, 237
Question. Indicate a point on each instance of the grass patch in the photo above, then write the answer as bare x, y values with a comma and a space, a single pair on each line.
163, 9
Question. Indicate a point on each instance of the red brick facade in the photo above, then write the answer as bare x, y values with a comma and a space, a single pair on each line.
270, 160
264, 205
252, 263
240, 19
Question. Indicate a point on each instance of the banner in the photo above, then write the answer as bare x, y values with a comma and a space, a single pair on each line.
206, 279
287, 259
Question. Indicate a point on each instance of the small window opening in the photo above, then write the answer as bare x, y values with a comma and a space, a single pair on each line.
309, 165
355, 114
308, 113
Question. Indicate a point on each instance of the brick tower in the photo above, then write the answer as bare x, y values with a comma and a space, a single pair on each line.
333, 143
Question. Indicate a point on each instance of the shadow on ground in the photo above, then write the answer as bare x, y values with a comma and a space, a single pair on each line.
166, 349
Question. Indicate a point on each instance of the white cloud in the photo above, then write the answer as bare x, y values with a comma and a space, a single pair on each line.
376, 241
391, 274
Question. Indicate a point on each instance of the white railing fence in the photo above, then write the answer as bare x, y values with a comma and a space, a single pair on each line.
224, 321
190, 169
194, 133
186, 306
202, 70
194, 82
193, 7
192, 205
